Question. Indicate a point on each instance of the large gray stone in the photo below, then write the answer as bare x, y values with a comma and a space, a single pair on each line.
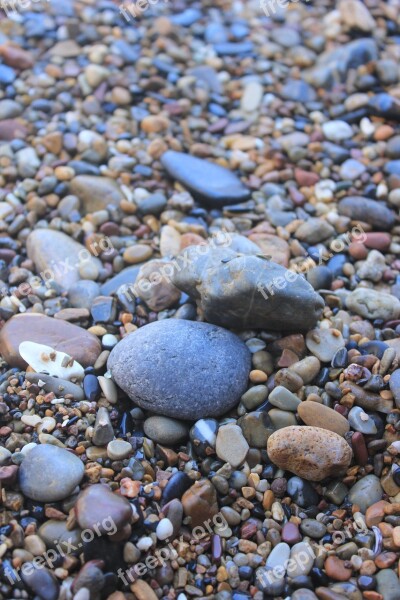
246, 291
211, 183
182, 369
50, 474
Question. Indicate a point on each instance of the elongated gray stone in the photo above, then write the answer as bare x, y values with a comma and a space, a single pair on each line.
182, 369
246, 291
208, 182
58, 257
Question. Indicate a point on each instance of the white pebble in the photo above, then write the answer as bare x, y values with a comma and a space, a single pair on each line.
164, 529
145, 543
109, 340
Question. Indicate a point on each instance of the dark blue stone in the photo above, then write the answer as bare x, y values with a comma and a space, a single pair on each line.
91, 387
335, 264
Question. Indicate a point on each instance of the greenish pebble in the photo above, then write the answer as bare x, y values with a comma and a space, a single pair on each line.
281, 418
284, 399
255, 396
366, 492
164, 430
335, 492
388, 584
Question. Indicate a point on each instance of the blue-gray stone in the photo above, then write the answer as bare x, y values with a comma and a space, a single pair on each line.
207, 181
182, 369
49, 473
369, 211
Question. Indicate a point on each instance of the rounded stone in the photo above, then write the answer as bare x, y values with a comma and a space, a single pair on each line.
365, 492
49, 473
324, 343
98, 507
319, 415
182, 369
119, 449
303, 451
164, 430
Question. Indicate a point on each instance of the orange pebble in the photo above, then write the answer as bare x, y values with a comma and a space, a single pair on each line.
258, 376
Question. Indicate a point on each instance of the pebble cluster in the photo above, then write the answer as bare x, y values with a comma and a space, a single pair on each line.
200, 300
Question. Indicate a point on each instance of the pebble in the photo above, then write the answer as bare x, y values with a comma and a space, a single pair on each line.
231, 445
284, 399
98, 507
164, 529
173, 356
301, 450
165, 431
103, 431
337, 131
44, 359
360, 421
372, 304
301, 492
41, 581
324, 343
64, 263
60, 335
368, 211
210, 183
50, 474
119, 449
200, 502
203, 435
365, 492
319, 415
95, 193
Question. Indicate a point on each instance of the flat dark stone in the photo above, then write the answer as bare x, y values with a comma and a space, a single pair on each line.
211, 183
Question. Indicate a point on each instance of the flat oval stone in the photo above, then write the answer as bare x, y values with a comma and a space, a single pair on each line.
182, 369
209, 182
303, 451
284, 399
83, 346
49, 473
324, 343
360, 421
164, 430
98, 506
319, 415
58, 257
302, 558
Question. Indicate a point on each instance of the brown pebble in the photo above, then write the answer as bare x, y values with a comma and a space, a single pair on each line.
359, 448
385, 560
375, 513
319, 415
336, 569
